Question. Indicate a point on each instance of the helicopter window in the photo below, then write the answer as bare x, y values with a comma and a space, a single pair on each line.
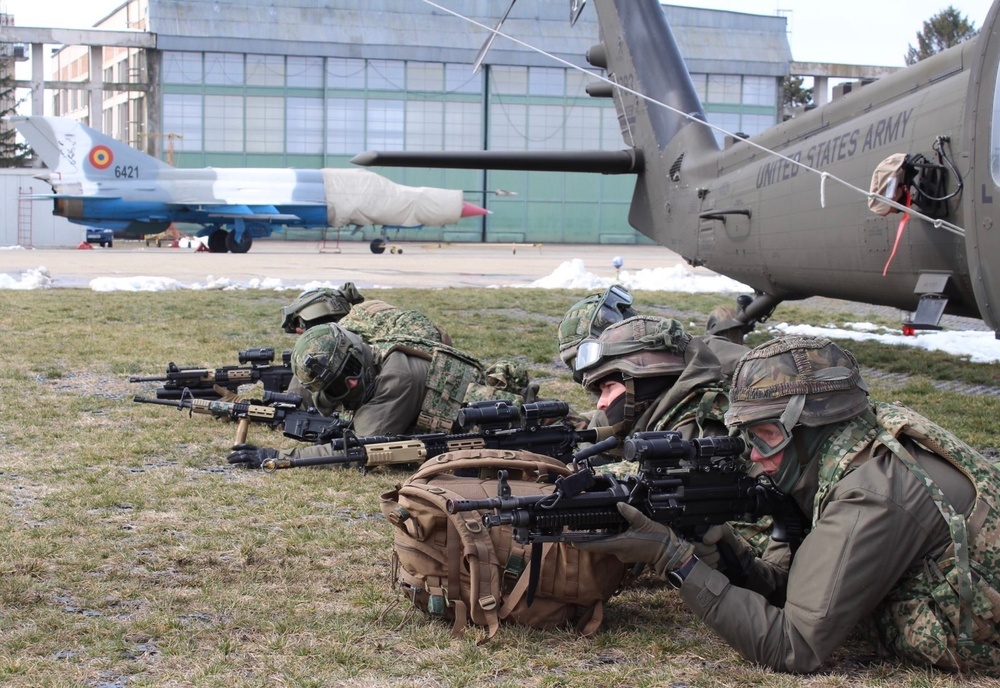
995, 134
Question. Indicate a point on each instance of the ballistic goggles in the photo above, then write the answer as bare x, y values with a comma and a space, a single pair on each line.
591, 352
611, 309
768, 437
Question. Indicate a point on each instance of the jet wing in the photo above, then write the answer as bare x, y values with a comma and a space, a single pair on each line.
245, 212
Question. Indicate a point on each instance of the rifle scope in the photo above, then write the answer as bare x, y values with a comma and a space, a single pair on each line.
258, 355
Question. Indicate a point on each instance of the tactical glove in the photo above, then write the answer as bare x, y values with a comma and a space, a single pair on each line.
645, 541
725, 550
251, 455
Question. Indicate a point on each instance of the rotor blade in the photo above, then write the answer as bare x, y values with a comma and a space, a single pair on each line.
575, 7
489, 41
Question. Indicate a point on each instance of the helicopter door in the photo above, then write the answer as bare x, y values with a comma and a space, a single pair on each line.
981, 199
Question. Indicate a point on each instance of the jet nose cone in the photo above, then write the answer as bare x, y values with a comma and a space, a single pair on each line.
472, 210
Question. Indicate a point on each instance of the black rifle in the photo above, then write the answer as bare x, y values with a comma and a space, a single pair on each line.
183, 382
274, 410
496, 424
689, 485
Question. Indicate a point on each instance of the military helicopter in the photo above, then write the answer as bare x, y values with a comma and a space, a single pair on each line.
787, 210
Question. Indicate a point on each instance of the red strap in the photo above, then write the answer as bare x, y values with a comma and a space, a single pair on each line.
899, 232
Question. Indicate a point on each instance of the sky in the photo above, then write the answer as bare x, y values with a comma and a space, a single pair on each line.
980, 346
845, 31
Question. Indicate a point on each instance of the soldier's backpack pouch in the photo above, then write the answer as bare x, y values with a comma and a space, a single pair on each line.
453, 567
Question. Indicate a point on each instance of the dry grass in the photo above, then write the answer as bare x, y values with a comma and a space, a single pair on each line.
134, 556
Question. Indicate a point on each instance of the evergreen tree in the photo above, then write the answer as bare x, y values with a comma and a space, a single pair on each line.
793, 94
13, 153
944, 30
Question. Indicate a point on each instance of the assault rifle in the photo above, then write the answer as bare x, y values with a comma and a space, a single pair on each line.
496, 424
274, 410
183, 382
689, 485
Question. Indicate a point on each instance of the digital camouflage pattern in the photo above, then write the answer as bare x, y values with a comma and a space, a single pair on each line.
380, 320
449, 376
813, 371
584, 320
946, 612
317, 306
333, 344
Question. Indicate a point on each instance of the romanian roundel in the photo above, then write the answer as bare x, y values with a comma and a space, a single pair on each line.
101, 157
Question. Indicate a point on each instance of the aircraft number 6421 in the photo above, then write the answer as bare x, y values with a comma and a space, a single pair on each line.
127, 171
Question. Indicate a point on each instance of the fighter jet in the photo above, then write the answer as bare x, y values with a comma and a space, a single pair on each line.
883, 196
100, 182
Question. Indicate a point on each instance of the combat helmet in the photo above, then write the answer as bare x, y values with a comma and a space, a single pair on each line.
796, 380
319, 305
326, 356
589, 317
637, 347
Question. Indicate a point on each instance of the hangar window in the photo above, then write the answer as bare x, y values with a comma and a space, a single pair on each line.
424, 76
265, 124
423, 125
760, 90
545, 127
463, 125
386, 75
345, 73
182, 115
224, 69
224, 124
385, 124
723, 88
345, 129
181, 68
583, 128
458, 78
265, 70
304, 125
305, 72
546, 81
508, 126
510, 80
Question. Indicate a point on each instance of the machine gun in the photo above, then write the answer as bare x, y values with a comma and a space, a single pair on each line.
689, 485
183, 382
274, 410
496, 424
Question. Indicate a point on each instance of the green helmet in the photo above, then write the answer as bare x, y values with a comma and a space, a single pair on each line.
326, 357
796, 380
589, 317
317, 306
637, 347
722, 322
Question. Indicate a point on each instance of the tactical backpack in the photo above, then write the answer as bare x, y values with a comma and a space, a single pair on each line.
453, 567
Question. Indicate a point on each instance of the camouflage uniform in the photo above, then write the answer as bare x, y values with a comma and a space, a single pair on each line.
408, 385
380, 320
692, 399
902, 533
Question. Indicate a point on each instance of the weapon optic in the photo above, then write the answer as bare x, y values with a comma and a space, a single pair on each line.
497, 424
689, 485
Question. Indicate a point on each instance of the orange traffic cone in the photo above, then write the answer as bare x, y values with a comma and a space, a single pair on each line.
84, 244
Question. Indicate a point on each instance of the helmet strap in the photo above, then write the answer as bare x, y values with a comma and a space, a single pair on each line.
793, 411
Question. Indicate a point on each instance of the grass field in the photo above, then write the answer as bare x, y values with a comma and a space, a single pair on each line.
133, 555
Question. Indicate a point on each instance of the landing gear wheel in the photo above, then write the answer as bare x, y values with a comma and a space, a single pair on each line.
217, 241
396, 249
377, 246
241, 246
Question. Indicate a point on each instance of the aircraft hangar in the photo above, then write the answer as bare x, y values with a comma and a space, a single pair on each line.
311, 83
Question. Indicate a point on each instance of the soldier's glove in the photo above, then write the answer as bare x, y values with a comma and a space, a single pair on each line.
724, 549
645, 541
250, 455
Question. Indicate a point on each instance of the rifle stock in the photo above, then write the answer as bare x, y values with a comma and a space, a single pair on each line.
184, 381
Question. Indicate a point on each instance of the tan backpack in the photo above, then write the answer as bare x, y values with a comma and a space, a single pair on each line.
453, 567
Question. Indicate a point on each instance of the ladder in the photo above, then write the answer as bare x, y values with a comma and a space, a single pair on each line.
24, 214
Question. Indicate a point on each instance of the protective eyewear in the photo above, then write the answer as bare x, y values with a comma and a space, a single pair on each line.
615, 305
590, 352
768, 437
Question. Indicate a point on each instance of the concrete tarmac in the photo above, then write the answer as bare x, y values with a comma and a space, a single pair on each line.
419, 265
